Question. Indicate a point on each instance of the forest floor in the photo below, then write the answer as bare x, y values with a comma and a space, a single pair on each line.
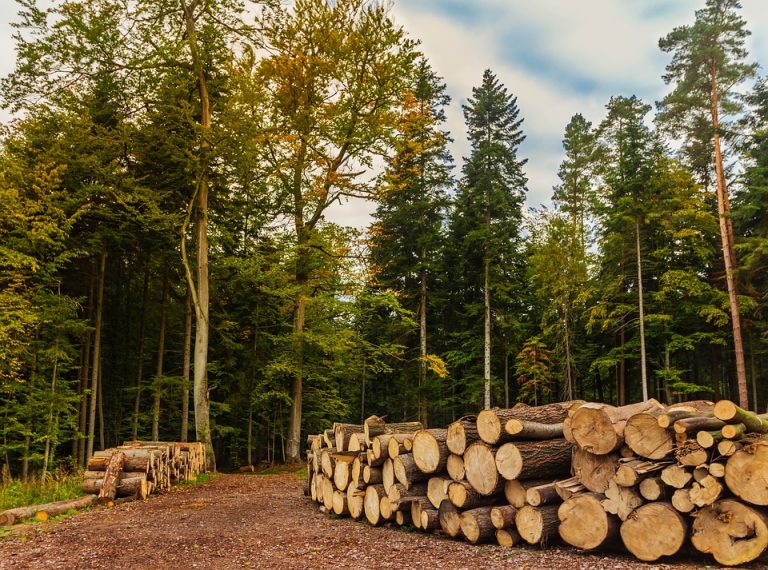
264, 521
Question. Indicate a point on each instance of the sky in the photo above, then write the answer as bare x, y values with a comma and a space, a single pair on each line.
558, 57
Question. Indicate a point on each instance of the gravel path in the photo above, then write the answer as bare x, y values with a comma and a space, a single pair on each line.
255, 521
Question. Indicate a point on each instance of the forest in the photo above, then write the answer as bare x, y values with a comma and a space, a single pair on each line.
168, 271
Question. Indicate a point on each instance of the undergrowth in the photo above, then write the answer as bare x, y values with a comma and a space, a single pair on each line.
57, 486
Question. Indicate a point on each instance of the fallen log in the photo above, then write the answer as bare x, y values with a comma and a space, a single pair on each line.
430, 451
732, 532
537, 525
523, 460
14, 516
599, 428
461, 433
585, 524
108, 491
476, 525
654, 530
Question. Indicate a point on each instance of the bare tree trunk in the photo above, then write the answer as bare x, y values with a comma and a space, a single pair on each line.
85, 371
47, 454
643, 377
96, 359
140, 372
487, 336
250, 433
506, 377
185, 366
622, 396
568, 387
100, 392
423, 343
727, 239
25, 457
160, 358
200, 292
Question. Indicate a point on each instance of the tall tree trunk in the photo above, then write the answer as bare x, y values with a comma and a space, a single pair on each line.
727, 239
200, 290
753, 372
250, 433
568, 376
487, 335
85, 371
100, 392
423, 342
622, 388
160, 358
25, 457
641, 311
96, 358
140, 372
49, 435
186, 366
506, 377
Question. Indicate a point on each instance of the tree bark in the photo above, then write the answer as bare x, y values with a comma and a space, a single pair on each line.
487, 335
727, 239
186, 366
140, 355
641, 535
95, 369
200, 290
160, 358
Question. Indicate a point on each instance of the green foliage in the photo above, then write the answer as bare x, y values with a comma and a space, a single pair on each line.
58, 486
532, 367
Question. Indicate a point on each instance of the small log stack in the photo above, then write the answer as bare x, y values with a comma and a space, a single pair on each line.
139, 468
592, 475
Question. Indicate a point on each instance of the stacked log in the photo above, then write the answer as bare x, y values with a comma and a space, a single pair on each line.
138, 469
650, 477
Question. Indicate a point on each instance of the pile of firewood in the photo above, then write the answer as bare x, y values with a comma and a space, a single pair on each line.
594, 476
138, 469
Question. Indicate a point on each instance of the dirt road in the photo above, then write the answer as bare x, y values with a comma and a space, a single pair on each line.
263, 521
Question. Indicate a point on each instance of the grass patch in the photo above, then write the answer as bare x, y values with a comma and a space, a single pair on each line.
55, 487
199, 479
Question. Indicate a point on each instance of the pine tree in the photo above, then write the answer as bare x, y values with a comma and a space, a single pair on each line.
708, 62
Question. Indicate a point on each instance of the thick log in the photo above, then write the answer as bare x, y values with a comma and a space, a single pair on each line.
381, 444
523, 460
13, 516
732, 532
108, 491
646, 438
676, 476
129, 485
599, 428
542, 495
567, 488
621, 501
388, 474
652, 489
480, 468
508, 537
430, 451
708, 439
327, 462
523, 429
342, 433
375, 426
372, 475
340, 504
355, 501
731, 413
632, 471
437, 490
373, 495
356, 442
461, 433
706, 491
429, 519
134, 464
681, 500
396, 446
746, 473
329, 439
398, 493
490, 423
642, 531
691, 454
455, 467
515, 491
476, 525
327, 493
585, 524
594, 471
537, 525
342, 475
406, 470
450, 519
464, 496
503, 516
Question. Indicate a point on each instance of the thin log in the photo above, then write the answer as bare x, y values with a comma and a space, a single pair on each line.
542, 495
652, 489
14, 516
731, 413
503, 516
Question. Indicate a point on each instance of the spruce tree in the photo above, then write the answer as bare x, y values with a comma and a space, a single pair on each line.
486, 220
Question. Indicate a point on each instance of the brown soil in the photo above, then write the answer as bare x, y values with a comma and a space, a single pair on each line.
264, 521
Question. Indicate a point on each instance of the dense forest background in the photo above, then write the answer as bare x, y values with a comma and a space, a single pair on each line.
167, 270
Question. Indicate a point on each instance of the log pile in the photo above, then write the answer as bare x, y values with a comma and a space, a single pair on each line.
590, 475
137, 469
